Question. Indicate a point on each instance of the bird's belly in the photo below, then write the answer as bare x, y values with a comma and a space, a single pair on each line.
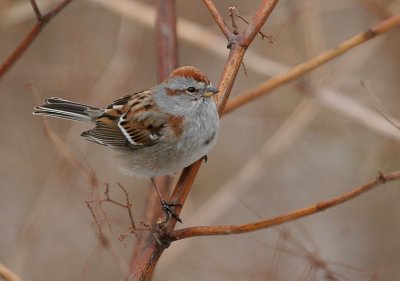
168, 157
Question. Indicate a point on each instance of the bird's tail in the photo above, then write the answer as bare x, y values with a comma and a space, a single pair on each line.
65, 109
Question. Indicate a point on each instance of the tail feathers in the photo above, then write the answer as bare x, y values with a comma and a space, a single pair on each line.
60, 108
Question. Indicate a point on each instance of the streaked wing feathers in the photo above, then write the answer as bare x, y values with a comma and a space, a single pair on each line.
132, 120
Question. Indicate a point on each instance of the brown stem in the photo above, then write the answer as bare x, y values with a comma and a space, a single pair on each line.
32, 34
218, 18
309, 210
303, 68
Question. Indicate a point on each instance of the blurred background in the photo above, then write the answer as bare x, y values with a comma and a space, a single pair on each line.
308, 141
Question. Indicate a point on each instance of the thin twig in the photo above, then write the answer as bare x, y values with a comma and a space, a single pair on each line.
244, 69
97, 222
309, 210
262, 14
127, 205
235, 28
303, 68
378, 108
233, 12
42, 20
35, 8
218, 18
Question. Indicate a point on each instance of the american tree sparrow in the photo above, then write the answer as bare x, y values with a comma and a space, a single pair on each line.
156, 131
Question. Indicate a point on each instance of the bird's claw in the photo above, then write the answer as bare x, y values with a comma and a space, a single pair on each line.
167, 208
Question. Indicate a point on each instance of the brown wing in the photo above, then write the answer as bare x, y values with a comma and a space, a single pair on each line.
131, 121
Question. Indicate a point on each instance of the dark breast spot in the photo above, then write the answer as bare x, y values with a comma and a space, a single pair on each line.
210, 139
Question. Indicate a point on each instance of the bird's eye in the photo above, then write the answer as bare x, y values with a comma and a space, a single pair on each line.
191, 89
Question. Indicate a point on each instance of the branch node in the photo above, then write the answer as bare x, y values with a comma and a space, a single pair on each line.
321, 206
233, 12
370, 33
236, 40
163, 238
35, 8
381, 178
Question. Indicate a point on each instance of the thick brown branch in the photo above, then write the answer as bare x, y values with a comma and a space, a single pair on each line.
303, 68
249, 227
32, 34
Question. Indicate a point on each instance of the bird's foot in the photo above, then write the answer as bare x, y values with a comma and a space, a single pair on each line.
167, 208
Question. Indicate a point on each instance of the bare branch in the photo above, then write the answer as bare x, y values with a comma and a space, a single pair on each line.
31, 36
127, 205
309, 210
97, 222
232, 16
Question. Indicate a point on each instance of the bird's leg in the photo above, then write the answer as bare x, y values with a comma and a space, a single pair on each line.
204, 158
166, 206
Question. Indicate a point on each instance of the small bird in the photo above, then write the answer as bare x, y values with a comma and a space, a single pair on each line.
156, 131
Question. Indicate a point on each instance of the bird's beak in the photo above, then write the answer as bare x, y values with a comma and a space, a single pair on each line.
210, 91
